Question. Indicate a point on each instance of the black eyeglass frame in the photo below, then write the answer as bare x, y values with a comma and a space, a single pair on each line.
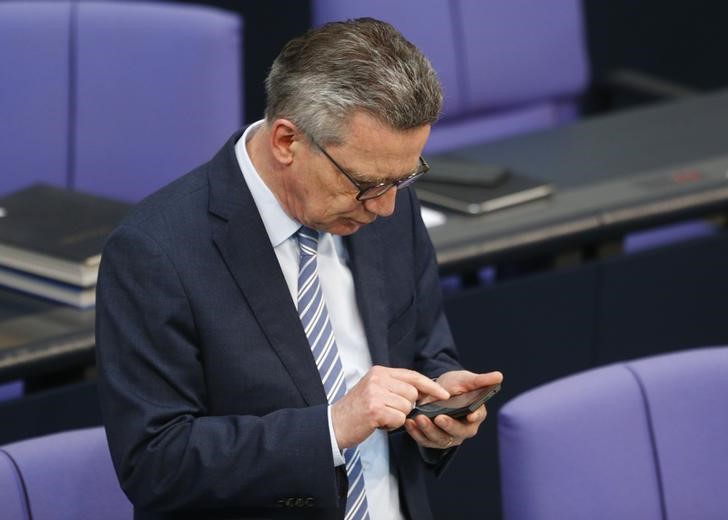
373, 190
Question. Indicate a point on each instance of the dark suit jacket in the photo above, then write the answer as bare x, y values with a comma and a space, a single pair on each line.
213, 405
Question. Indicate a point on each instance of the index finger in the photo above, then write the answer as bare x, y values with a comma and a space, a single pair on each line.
423, 384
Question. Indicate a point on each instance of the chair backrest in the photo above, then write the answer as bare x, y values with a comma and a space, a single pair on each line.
115, 98
11, 390
12, 495
34, 93
63, 476
507, 66
644, 439
669, 234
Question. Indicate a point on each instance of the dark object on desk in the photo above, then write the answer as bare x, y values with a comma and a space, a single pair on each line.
37, 335
476, 199
48, 288
56, 233
446, 169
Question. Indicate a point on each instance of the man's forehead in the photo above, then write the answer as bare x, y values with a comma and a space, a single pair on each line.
367, 130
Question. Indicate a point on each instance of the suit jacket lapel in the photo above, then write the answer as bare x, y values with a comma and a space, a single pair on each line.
367, 268
246, 249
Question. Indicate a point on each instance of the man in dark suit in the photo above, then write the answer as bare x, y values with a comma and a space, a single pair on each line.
261, 332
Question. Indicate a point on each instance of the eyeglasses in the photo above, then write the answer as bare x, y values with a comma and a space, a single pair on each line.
372, 190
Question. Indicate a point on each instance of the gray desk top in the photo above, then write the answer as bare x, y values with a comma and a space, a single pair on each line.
33, 331
618, 169
608, 170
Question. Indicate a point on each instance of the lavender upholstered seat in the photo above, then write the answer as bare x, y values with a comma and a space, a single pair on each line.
34, 90
115, 98
669, 234
64, 476
12, 498
507, 66
11, 390
645, 439
159, 89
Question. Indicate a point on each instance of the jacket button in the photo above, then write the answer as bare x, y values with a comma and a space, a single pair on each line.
290, 502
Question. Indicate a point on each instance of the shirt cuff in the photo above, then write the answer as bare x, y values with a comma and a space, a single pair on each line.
335, 451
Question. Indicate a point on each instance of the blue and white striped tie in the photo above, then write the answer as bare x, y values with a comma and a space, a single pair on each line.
320, 334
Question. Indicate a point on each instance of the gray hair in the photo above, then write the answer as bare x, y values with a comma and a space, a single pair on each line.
322, 78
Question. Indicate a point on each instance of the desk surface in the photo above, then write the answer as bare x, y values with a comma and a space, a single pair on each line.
608, 171
40, 336
621, 169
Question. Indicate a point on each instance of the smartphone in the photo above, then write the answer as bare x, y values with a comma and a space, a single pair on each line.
457, 406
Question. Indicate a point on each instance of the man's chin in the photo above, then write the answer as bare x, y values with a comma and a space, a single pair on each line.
346, 226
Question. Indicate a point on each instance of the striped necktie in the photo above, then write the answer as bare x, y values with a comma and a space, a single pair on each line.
320, 334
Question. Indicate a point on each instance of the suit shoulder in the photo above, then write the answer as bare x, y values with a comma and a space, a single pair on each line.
180, 195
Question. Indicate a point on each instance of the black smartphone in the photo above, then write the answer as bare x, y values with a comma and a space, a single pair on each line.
457, 406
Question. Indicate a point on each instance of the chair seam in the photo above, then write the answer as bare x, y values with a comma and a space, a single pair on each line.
461, 71
653, 439
23, 487
72, 94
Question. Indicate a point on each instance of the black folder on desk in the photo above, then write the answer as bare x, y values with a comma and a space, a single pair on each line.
473, 188
37, 334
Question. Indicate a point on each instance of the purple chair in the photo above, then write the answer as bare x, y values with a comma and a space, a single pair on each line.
666, 235
11, 390
64, 476
644, 439
507, 66
115, 98
34, 93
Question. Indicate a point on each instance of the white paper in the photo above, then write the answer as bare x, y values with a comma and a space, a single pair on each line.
432, 217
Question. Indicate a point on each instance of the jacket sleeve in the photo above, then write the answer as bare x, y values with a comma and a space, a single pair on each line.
168, 451
436, 352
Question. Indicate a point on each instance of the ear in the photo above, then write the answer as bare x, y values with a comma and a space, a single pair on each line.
284, 139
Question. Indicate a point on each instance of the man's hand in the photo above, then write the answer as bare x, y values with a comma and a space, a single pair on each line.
381, 399
445, 432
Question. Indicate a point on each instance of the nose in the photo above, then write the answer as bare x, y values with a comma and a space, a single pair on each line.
382, 206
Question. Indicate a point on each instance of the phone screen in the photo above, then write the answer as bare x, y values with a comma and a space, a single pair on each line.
463, 400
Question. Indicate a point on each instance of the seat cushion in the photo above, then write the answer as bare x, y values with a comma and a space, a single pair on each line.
577, 448
69, 476
12, 494
687, 394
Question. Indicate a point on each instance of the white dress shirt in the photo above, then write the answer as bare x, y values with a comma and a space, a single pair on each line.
337, 285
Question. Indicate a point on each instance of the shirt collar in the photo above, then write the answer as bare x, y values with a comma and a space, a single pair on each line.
278, 224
